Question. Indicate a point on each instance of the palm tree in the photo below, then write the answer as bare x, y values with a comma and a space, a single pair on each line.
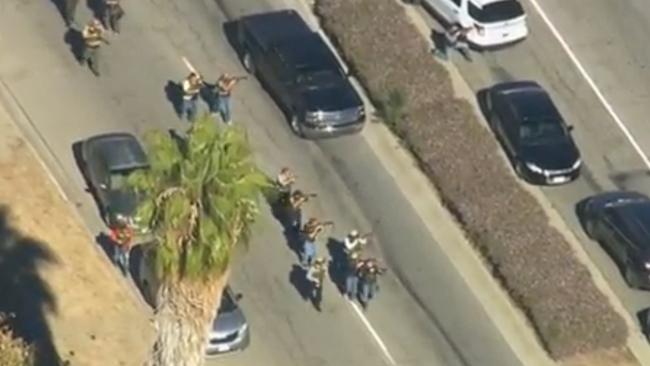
200, 198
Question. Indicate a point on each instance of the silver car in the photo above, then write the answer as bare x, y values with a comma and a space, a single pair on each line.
229, 331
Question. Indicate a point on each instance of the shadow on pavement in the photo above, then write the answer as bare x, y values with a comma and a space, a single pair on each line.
97, 8
174, 94
291, 234
298, 278
60, 7
26, 297
338, 263
74, 39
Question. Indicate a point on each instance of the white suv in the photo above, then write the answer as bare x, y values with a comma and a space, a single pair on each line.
493, 22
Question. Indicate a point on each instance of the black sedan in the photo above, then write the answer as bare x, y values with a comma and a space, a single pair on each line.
533, 133
620, 221
107, 162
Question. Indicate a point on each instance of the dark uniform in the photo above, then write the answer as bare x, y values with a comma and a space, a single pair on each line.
93, 35
113, 12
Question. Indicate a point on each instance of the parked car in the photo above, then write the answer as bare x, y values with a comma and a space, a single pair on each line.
533, 133
620, 221
229, 331
108, 160
301, 73
494, 22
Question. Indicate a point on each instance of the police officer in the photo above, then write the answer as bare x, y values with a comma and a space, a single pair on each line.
285, 180
370, 271
191, 88
296, 200
354, 266
223, 90
122, 236
315, 276
355, 242
113, 13
93, 35
312, 228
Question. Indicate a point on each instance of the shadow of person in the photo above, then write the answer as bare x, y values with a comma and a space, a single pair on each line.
75, 40
107, 245
97, 7
298, 278
338, 263
61, 8
25, 296
439, 40
643, 316
174, 94
208, 96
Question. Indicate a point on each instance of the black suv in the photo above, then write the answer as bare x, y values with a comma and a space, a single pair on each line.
533, 133
302, 74
620, 221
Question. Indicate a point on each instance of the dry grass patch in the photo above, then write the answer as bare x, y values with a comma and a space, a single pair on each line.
532, 260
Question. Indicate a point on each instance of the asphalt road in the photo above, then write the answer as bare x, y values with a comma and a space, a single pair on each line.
609, 40
424, 315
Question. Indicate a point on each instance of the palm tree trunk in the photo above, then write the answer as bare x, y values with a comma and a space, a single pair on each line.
183, 318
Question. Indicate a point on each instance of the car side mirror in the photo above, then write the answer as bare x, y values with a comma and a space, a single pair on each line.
238, 297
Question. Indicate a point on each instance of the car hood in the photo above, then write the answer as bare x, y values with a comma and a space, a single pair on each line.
556, 156
123, 201
337, 97
226, 323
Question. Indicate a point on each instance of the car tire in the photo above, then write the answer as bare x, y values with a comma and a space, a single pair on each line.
519, 169
294, 123
630, 278
247, 62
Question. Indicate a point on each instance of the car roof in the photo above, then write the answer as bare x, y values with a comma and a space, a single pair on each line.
482, 3
278, 25
312, 53
633, 221
529, 100
120, 151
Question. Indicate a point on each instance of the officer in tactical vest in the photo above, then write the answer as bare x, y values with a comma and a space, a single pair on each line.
93, 35
191, 87
370, 271
122, 236
355, 242
113, 13
284, 182
296, 200
312, 228
223, 90
315, 276
353, 271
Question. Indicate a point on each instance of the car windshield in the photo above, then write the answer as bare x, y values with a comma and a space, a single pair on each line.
496, 12
540, 133
119, 178
227, 304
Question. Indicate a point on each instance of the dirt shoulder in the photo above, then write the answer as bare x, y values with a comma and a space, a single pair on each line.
67, 298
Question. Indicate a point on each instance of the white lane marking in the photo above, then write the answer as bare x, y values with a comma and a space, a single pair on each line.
374, 334
591, 82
